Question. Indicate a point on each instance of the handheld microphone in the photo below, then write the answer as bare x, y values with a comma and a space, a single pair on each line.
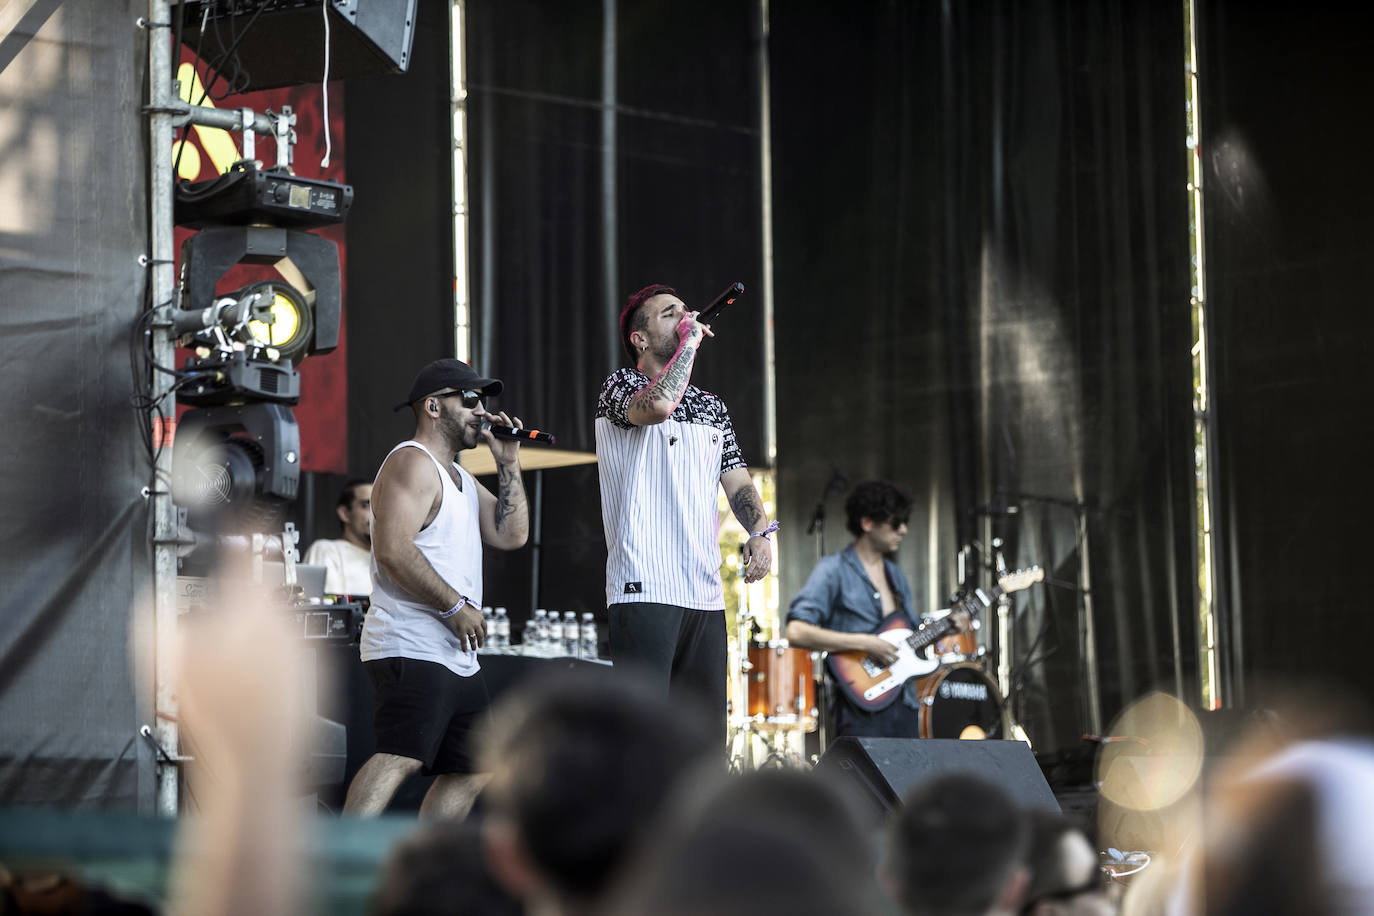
521, 435
718, 304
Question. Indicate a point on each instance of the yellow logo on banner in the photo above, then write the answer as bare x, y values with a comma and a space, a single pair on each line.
217, 143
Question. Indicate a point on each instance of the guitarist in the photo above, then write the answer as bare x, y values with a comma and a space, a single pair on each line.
847, 596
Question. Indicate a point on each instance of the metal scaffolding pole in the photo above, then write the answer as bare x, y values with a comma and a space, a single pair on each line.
166, 111
162, 280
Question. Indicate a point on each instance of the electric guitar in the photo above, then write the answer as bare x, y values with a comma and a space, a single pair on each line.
871, 686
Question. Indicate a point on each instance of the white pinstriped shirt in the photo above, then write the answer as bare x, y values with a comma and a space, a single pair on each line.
658, 495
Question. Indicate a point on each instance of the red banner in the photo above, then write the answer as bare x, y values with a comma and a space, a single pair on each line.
323, 409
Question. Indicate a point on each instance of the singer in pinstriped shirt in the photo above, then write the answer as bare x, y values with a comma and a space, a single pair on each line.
663, 446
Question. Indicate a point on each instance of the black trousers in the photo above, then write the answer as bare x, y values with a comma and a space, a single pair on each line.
681, 649
896, 721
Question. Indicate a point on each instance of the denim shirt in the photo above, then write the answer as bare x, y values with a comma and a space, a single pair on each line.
840, 596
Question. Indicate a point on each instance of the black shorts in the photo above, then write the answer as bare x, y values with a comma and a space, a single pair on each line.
426, 712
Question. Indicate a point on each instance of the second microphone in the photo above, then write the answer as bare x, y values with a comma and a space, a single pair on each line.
522, 435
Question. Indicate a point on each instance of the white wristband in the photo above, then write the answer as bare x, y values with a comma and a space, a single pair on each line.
772, 526
455, 609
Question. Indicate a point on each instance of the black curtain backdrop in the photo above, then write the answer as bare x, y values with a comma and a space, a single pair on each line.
400, 285
74, 527
1290, 214
983, 296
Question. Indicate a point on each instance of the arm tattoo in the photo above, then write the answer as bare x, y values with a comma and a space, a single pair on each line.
744, 502
507, 477
671, 383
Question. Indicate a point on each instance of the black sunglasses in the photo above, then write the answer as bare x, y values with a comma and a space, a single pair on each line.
470, 398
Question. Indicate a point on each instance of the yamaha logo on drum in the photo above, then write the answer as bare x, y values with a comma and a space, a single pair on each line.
959, 691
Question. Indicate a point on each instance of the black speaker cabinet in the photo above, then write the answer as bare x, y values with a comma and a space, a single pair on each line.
879, 772
285, 44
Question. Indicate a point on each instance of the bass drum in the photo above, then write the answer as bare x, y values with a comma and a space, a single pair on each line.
961, 701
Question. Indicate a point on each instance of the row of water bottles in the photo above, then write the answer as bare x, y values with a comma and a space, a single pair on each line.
545, 634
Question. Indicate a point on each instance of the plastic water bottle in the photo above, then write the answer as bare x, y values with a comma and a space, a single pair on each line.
528, 637
587, 637
541, 632
501, 629
555, 634
572, 642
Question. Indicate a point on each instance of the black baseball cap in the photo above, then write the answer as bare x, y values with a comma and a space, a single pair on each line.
449, 373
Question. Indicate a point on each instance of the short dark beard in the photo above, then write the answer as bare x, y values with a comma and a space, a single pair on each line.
455, 433
668, 349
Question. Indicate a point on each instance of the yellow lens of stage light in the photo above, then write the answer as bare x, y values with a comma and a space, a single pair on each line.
290, 327
286, 322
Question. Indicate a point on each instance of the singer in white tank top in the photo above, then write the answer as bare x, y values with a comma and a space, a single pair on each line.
399, 625
430, 519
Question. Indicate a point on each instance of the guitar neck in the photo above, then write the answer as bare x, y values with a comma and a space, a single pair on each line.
930, 632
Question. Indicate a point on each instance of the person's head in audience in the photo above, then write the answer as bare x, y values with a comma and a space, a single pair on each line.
440, 871
770, 841
581, 768
955, 849
1065, 879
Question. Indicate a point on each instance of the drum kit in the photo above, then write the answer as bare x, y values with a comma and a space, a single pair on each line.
778, 695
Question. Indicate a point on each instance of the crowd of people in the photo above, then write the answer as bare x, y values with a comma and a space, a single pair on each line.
605, 798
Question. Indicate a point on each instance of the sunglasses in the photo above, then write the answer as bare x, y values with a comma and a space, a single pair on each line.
470, 398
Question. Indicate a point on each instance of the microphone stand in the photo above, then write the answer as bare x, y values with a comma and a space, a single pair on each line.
825, 690
835, 484
817, 526
1087, 629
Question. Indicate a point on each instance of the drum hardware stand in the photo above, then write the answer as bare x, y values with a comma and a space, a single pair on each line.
825, 698
744, 728
1004, 626
995, 563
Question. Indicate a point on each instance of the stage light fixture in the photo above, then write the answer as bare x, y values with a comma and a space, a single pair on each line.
284, 324
247, 343
236, 466
307, 263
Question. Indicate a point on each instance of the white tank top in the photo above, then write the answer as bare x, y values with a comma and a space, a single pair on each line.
399, 625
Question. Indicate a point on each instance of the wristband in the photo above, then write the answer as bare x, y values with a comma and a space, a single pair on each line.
772, 526
455, 609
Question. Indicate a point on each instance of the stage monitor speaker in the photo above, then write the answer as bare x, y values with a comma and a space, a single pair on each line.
880, 772
285, 46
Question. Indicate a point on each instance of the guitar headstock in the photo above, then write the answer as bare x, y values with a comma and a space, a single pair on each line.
1018, 579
